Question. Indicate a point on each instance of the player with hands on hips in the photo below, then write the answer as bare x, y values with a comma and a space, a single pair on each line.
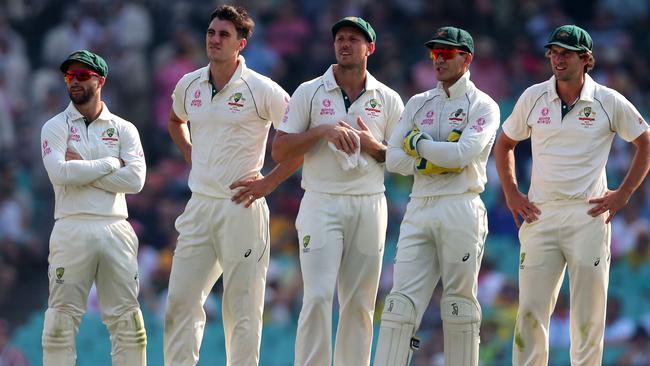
339, 121
571, 121
93, 158
224, 229
443, 139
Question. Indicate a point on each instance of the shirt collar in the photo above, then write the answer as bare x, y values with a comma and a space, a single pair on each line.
458, 88
73, 113
586, 94
241, 69
330, 80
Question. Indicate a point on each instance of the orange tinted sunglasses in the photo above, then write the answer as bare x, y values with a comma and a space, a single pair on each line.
446, 53
79, 74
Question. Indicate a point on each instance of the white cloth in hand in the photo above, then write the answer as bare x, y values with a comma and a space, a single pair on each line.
348, 162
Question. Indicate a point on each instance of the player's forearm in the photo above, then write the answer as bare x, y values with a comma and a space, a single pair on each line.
504, 157
398, 162
639, 167
80, 172
287, 146
180, 134
376, 150
129, 179
284, 170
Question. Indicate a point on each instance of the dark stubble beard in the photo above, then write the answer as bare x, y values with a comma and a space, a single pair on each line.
83, 98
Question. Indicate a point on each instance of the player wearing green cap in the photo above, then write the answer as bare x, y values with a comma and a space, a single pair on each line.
571, 121
443, 139
93, 159
339, 122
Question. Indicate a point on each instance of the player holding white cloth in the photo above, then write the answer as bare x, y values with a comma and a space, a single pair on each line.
93, 158
343, 215
444, 139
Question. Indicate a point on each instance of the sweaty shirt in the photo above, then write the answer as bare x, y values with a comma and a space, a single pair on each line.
97, 184
467, 109
570, 153
320, 101
229, 130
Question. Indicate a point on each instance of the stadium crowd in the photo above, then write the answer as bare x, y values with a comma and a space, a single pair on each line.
150, 44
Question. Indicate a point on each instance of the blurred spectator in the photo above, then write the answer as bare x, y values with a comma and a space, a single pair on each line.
9, 355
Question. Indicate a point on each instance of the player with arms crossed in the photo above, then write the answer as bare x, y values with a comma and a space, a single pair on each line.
338, 121
571, 121
449, 133
93, 158
231, 109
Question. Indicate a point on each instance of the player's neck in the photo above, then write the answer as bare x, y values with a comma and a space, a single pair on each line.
90, 110
569, 90
351, 80
221, 72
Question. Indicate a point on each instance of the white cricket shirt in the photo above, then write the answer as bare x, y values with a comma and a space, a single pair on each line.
320, 101
229, 130
95, 185
570, 153
467, 109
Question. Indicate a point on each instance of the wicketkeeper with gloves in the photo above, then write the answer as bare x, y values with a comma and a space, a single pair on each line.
444, 139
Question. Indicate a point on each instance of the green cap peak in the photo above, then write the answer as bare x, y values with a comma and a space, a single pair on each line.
572, 38
452, 36
95, 61
356, 22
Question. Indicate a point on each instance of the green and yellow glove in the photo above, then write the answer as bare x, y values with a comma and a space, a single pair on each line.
423, 166
410, 143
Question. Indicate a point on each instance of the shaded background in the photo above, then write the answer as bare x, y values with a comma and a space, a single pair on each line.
149, 45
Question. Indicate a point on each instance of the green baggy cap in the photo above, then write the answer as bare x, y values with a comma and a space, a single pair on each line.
453, 36
572, 38
358, 23
84, 56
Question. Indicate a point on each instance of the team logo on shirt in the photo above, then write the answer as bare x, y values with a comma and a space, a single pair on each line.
544, 119
110, 137
478, 125
46, 148
586, 117
58, 272
428, 120
305, 243
456, 117
196, 102
74, 134
236, 102
373, 108
327, 109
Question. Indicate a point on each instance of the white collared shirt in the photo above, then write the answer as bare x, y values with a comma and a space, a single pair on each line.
320, 101
97, 184
466, 109
570, 153
228, 131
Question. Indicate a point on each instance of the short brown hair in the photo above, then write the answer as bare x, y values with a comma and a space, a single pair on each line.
244, 24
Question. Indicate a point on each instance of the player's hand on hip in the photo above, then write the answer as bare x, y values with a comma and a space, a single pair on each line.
72, 155
250, 189
611, 202
522, 208
342, 136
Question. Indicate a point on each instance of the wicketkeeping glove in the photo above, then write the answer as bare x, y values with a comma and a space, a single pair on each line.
411, 139
424, 166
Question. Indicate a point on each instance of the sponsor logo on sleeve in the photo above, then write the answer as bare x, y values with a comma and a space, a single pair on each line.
46, 148
479, 125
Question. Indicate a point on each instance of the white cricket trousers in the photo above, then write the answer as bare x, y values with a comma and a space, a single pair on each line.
563, 236
83, 250
218, 236
341, 245
441, 238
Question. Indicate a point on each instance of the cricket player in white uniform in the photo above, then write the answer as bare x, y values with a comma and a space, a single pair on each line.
571, 121
230, 109
93, 158
339, 122
443, 139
